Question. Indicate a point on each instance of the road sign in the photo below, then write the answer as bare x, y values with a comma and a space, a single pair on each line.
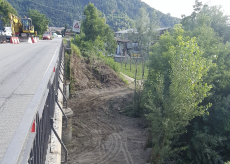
76, 26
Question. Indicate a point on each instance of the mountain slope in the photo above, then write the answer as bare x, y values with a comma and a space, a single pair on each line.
119, 13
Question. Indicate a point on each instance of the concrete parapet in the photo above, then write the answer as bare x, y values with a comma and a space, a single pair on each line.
55, 149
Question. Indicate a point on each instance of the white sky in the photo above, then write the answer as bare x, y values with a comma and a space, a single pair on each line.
178, 7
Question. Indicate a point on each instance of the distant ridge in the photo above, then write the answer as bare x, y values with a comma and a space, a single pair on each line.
120, 14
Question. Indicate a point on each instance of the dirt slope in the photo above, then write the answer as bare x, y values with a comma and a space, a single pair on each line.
92, 74
101, 135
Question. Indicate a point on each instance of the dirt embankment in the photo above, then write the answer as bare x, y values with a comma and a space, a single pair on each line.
93, 74
101, 134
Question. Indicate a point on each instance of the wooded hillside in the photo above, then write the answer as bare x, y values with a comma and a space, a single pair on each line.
119, 13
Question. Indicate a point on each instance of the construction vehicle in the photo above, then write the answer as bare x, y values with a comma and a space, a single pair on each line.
21, 28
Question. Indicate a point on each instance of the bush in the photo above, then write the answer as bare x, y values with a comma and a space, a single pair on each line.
40, 37
75, 49
109, 61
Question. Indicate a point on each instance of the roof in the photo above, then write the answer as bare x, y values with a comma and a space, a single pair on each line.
124, 31
56, 28
122, 40
130, 30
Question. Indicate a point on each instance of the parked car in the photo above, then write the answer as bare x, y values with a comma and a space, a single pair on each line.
46, 37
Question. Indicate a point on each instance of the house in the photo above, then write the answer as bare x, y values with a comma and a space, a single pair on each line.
124, 46
54, 29
123, 43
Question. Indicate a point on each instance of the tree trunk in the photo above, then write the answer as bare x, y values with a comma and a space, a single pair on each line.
143, 67
120, 53
125, 59
136, 75
130, 60
121, 60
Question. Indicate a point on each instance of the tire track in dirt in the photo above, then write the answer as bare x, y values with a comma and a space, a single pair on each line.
110, 154
103, 135
126, 152
114, 148
86, 148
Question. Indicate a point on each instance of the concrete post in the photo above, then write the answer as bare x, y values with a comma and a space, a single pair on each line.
67, 89
67, 131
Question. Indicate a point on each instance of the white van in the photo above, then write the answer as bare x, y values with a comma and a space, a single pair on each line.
55, 35
8, 32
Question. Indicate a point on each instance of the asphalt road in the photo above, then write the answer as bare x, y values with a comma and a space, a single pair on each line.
22, 67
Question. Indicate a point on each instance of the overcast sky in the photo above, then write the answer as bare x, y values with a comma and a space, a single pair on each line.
178, 7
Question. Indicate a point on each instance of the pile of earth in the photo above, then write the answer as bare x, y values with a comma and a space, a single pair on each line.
88, 74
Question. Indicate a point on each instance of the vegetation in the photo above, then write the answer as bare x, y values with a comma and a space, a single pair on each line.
119, 14
39, 21
186, 95
96, 39
126, 71
208, 135
143, 35
5, 9
174, 90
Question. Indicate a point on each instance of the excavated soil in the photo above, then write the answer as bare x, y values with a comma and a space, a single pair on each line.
92, 74
102, 134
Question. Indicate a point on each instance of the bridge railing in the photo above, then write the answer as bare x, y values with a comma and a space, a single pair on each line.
31, 142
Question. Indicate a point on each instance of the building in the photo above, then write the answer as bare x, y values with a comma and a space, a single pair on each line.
124, 47
54, 29
123, 44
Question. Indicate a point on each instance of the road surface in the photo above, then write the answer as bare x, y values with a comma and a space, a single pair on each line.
22, 67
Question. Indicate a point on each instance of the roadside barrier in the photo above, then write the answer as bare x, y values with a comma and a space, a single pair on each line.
14, 40
29, 40
34, 40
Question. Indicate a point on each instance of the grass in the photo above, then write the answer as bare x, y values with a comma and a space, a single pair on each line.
64, 41
75, 49
123, 79
109, 61
126, 71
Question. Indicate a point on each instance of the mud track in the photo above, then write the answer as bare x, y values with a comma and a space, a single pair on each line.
101, 135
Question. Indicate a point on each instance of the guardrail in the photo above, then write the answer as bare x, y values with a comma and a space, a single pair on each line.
31, 141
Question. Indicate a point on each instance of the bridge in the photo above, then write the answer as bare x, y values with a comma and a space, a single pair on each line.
31, 99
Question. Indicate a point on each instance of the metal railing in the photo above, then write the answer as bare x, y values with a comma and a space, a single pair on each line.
31, 142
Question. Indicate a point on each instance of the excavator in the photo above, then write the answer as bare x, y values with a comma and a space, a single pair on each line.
21, 28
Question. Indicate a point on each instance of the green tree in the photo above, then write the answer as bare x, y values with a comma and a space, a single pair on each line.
174, 89
39, 21
207, 138
144, 34
218, 21
93, 24
5, 9
94, 27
